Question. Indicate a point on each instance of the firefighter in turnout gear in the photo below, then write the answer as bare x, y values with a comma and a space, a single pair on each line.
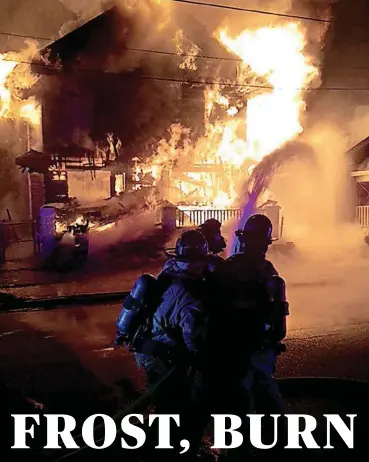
171, 328
211, 229
179, 318
250, 331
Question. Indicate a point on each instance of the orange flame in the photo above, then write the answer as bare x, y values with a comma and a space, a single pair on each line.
211, 170
15, 77
276, 53
6, 67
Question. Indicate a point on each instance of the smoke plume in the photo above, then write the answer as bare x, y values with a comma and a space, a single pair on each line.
83, 11
129, 229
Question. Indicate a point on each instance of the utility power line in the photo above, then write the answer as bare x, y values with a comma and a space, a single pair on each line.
198, 56
264, 12
187, 81
32, 37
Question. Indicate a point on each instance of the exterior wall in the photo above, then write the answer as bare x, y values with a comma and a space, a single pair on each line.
68, 111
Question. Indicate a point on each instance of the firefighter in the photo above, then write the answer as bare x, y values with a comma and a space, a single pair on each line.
259, 293
174, 331
246, 338
211, 229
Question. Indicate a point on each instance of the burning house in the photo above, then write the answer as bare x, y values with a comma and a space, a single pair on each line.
98, 117
147, 93
20, 113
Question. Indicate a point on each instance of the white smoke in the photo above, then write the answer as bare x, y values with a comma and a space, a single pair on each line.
127, 229
84, 11
327, 273
86, 8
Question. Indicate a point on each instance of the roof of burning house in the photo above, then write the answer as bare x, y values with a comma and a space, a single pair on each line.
102, 35
88, 100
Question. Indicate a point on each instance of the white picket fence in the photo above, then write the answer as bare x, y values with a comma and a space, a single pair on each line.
195, 216
362, 215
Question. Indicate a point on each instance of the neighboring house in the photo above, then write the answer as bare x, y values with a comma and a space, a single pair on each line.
359, 159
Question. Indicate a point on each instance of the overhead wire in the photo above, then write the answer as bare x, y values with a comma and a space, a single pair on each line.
185, 81
193, 56
32, 37
169, 53
264, 12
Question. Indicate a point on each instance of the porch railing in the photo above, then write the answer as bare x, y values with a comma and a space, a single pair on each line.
192, 216
362, 215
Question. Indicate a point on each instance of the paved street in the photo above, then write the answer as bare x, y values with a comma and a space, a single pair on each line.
64, 356
47, 342
69, 348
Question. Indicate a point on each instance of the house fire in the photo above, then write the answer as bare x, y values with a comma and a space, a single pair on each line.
92, 117
197, 129
211, 173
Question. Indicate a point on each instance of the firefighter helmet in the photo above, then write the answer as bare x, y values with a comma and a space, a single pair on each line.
191, 245
211, 229
212, 223
258, 227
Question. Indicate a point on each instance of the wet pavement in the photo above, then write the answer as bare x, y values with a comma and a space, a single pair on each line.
37, 284
110, 269
67, 351
42, 348
64, 356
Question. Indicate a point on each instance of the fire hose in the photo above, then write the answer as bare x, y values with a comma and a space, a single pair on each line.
137, 407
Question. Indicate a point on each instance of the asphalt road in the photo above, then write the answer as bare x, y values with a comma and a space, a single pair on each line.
64, 357
68, 350
65, 347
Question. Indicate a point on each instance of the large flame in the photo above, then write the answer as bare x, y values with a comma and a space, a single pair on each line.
211, 170
15, 78
273, 118
6, 67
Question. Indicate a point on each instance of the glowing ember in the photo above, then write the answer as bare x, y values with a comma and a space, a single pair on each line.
60, 227
63, 223
101, 229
